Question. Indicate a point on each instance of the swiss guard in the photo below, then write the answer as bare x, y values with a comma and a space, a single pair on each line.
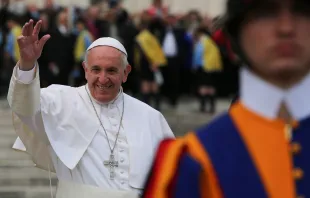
260, 148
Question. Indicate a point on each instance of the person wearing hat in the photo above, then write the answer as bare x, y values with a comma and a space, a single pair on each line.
98, 140
260, 148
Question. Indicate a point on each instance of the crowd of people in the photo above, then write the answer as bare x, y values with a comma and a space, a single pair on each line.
171, 55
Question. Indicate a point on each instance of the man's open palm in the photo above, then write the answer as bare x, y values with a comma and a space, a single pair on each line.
29, 44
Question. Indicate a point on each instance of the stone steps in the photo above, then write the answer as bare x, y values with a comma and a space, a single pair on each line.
33, 181
7, 141
23, 172
6, 112
18, 176
21, 163
11, 154
26, 182
5, 117
7, 130
26, 192
7, 126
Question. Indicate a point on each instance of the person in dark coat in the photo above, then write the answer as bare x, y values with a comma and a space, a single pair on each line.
61, 59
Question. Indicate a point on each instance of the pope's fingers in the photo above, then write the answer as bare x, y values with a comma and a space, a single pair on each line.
30, 28
19, 38
27, 29
24, 30
37, 28
43, 40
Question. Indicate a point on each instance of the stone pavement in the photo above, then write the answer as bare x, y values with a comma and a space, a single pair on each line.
20, 179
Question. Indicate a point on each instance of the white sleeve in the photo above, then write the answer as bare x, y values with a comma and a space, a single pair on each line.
165, 128
26, 77
24, 98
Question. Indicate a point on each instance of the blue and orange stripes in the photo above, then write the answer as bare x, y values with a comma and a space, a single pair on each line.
240, 154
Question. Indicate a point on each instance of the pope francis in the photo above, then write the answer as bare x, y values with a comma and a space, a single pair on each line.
98, 140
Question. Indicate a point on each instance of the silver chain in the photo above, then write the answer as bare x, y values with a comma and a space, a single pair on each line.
111, 149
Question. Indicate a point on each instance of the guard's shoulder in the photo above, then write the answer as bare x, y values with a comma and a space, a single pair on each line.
164, 167
171, 147
216, 126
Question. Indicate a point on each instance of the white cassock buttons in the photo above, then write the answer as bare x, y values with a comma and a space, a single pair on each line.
122, 160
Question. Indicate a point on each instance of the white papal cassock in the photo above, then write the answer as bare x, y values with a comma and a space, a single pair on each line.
59, 128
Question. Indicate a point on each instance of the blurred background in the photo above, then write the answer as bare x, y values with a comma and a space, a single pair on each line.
186, 92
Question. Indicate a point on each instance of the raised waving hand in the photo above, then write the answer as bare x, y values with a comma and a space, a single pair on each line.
30, 46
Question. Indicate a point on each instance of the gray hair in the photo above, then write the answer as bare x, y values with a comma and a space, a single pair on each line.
123, 59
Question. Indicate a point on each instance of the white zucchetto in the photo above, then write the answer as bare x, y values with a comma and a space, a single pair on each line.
108, 41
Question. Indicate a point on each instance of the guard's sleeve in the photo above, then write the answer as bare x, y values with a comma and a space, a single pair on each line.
172, 169
163, 169
187, 180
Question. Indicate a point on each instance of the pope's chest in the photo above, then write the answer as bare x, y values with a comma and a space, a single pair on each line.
111, 127
110, 142
110, 117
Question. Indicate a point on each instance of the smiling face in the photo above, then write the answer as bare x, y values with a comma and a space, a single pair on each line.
276, 39
105, 71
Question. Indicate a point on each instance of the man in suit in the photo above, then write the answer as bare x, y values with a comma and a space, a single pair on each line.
60, 50
173, 41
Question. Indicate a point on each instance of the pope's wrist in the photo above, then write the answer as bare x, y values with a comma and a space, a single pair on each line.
26, 66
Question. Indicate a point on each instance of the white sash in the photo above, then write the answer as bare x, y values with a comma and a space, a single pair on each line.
66, 189
74, 190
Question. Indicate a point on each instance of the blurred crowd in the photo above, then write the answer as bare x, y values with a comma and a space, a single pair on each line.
197, 57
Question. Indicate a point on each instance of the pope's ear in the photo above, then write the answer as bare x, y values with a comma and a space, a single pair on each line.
85, 68
127, 70
84, 65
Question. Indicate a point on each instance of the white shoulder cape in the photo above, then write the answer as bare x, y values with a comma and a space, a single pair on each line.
70, 124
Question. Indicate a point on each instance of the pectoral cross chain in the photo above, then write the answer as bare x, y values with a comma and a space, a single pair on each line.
111, 164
